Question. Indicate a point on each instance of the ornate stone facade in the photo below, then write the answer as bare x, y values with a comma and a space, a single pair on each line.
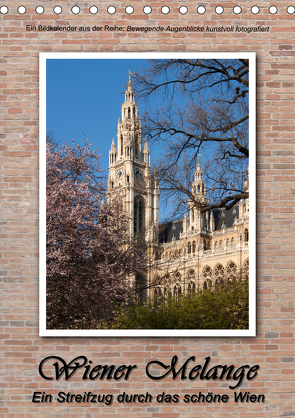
200, 251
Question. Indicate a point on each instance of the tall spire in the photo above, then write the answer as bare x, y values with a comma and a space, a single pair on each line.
130, 74
199, 186
129, 127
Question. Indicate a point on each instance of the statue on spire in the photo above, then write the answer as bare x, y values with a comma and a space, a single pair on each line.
130, 74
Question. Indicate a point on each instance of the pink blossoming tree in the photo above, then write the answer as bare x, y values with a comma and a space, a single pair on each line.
89, 253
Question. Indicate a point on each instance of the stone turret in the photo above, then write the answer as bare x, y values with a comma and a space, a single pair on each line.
199, 199
129, 127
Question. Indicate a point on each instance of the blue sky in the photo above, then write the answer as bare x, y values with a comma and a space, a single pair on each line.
85, 95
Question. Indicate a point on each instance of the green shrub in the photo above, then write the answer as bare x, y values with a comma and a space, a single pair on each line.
227, 308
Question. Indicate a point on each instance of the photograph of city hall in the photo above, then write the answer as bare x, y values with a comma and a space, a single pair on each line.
177, 191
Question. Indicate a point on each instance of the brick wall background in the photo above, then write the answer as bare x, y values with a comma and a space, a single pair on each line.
21, 347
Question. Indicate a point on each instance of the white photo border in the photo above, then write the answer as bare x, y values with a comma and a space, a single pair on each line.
43, 331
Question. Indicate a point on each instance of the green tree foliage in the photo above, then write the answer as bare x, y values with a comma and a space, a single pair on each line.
226, 308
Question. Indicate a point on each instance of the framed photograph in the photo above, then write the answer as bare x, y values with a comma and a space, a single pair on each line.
147, 194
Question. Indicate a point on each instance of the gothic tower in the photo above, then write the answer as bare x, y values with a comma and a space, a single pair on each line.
196, 220
130, 172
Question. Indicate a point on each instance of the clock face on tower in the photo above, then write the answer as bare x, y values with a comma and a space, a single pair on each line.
119, 174
137, 174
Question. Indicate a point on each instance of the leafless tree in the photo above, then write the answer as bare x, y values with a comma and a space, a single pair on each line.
205, 111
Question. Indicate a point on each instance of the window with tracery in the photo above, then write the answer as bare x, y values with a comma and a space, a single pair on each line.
177, 277
207, 273
219, 272
192, 274
167, 279
231, 271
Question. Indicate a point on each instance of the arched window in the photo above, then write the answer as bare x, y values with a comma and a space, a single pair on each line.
219, 272
191, 288
207, 273
231, 271
205, 286
121, 144
192, 275
194, 247
128, 112
176, 291
139, 217
246, 235
189, 248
